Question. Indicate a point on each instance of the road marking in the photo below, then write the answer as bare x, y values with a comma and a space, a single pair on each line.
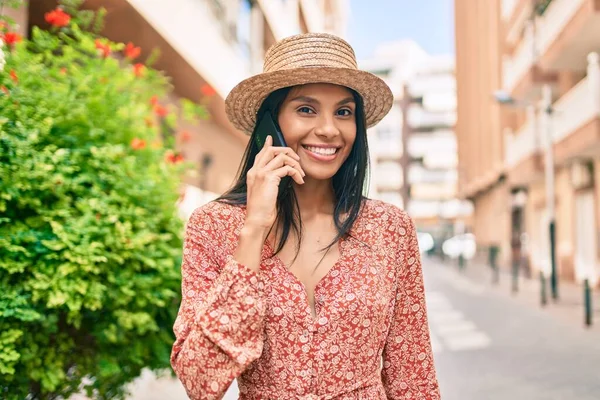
450, 329
468, 341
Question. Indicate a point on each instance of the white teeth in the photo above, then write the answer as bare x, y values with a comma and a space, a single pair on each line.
322, 151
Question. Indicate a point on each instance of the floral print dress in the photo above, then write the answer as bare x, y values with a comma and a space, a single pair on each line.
369, 339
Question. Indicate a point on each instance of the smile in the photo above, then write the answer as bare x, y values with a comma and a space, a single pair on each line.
321, 153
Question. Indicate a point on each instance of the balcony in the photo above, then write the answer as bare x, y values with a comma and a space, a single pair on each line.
388, 176
568, 30
418, 174
559, 37
515, 14
574, 126
192, 31
433, 191
419, 118
576, 120
386, 149
422, 145
523, 143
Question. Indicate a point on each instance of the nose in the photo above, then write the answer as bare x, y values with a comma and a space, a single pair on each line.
326, 127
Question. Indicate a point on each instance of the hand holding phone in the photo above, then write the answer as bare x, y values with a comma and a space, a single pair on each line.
273, 165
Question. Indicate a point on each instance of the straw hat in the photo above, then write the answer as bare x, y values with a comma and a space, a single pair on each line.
302, 59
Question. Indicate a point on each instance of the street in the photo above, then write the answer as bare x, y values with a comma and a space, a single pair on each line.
491, 347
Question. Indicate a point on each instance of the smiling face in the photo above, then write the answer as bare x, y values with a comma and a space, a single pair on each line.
318, 122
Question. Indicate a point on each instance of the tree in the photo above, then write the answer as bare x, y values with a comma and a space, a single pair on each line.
90, 240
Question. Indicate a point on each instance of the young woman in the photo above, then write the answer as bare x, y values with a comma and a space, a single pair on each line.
294, 282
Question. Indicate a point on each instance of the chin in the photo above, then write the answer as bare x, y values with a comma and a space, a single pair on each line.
321, 175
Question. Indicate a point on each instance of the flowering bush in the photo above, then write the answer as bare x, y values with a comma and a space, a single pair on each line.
90, 240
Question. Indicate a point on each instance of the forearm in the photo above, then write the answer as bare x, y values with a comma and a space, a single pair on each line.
251, 241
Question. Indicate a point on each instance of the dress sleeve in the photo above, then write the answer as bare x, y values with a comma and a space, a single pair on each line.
219, 325
408, 369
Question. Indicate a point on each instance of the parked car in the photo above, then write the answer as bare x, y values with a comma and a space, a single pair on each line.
426, 242
463, 243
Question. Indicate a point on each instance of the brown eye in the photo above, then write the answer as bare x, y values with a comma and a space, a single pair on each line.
345, 112
305, 110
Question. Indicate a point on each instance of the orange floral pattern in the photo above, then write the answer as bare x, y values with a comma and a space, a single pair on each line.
369, 340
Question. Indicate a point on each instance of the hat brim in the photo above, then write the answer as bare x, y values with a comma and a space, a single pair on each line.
244, 100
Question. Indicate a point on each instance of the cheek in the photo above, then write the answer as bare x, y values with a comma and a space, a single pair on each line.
350, 140
292, 130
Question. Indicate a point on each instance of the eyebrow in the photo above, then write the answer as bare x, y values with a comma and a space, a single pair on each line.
312, 100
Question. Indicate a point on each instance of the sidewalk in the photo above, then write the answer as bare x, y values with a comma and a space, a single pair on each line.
569, 308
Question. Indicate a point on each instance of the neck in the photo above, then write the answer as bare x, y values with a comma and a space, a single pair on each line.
315, 197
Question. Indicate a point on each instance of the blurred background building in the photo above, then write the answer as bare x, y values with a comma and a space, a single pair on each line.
542, 56
394, 63
413, 149
430, 103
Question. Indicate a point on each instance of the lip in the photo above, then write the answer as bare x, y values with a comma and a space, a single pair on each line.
321, 157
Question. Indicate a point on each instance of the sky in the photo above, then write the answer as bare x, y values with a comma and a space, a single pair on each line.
430, 23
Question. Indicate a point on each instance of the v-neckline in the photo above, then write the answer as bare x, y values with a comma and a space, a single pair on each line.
341, 248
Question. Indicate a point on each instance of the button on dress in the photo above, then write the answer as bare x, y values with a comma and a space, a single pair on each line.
369, 339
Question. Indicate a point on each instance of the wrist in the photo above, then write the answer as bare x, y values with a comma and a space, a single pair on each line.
254, 230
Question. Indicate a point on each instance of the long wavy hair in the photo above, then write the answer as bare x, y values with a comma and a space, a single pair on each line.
349, 182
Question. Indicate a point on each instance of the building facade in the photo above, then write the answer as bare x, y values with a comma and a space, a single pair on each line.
538, 159
432, 151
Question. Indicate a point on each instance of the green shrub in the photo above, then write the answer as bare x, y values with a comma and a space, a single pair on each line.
90, 239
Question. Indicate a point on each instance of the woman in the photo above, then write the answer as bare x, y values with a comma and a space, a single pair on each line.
308, 291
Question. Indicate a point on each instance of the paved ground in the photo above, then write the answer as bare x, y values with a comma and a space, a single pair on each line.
493, 347
488, 345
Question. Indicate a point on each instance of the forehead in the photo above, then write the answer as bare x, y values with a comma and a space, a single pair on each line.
320, 90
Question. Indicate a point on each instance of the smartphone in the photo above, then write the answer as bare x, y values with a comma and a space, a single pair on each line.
266, 127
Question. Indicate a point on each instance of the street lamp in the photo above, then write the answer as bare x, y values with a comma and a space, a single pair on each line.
505, 98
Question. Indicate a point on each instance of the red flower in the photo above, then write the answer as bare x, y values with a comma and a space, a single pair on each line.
207, 90
161, 111
63, 71
154, 100
138, 69
13, 76
103, 47
186, 136
131, 51
57, 18
173, 158
138, 144
4, 90
10, 38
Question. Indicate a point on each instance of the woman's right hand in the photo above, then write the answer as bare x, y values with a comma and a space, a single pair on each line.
271, 165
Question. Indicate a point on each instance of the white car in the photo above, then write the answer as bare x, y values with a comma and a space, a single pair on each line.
464, 243
426, 242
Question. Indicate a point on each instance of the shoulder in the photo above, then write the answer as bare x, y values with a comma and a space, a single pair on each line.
386, 214
385, 224
218, 217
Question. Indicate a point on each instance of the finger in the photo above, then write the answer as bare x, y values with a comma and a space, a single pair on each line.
275, 150
283, 159
288, 170
272, 152
260, 155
